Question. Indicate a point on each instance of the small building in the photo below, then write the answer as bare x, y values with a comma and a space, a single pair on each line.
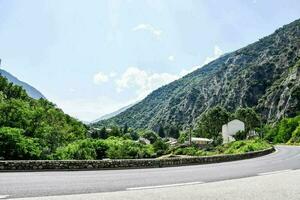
171, 141
201, 141
230, 129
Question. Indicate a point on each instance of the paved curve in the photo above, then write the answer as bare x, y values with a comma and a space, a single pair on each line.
36, 184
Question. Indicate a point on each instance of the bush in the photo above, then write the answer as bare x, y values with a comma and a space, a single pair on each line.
160, 147
120, 148
14, 145
87, 149
149, 135
243, 146
283, 131
191, 151
295, 139
240, 135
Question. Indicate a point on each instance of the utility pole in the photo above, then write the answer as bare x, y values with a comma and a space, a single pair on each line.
190, 136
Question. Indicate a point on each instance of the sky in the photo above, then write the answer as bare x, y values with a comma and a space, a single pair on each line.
92, 57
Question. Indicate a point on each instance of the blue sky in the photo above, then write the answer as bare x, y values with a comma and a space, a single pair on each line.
92, 57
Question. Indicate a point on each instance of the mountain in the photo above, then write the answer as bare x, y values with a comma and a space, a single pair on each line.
110, 115
33, 129
31, 91
264, 75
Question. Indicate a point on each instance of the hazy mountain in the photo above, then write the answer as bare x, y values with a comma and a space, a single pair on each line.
110, 115
31, 91
264, 75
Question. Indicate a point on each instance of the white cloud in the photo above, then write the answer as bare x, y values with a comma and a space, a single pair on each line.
143, 82
100, 78
149, 28
217, 53
171, 58
112, 74
187, 71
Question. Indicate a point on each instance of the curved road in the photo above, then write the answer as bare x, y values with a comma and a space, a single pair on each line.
37, 184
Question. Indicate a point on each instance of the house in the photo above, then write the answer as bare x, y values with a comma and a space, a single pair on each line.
230, 129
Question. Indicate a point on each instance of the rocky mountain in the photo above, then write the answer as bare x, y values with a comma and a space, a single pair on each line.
31, 91
264, 75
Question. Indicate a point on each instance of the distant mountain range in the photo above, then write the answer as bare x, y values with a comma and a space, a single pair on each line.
31, 91
264, 75
110, 115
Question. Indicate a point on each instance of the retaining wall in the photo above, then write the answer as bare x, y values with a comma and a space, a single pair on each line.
40, 165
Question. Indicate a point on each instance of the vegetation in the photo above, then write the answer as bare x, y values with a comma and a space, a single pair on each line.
210, 124
249, 117
33, 129
236, 147
286, 131
243, 146
14, 145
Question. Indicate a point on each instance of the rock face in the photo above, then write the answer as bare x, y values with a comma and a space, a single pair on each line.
264, 75
31, 91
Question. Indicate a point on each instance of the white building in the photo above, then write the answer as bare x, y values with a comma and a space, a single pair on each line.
231, 128
201, 141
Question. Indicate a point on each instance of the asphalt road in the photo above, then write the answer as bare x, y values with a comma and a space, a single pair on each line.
275, 186
38, 184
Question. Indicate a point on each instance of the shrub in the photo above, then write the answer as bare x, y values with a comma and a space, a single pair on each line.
240, 135
120, 148
149, 135
282, 132
87, 149
160, 147
14, 145
243, 146
191, 151
295, 139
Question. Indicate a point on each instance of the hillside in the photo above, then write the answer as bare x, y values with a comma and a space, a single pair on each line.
115, 113
30, 128
31, 91
263, 75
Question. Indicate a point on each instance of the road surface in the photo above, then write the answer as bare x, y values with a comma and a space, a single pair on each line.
38, 184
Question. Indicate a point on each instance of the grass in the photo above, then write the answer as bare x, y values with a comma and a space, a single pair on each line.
236, 147
243, 146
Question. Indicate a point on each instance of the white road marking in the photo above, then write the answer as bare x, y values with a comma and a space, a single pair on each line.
3, 196
274, 172
164, 186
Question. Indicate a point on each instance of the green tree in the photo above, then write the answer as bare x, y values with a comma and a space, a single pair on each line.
115, 132
125, 129
249, 117
211, 122
160, 147
14, 145
174, 132
86, 149
161, 132
150, 135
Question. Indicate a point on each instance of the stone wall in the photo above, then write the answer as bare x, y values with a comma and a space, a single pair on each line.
40, 165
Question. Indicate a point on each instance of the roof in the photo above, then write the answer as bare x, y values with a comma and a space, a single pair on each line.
201, 139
